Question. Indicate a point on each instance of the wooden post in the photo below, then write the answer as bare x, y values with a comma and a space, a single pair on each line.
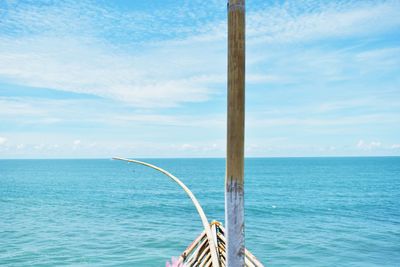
234, 193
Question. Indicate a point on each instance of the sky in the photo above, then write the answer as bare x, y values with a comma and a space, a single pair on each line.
142, 79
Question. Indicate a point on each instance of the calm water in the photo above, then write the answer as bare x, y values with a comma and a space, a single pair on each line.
299, 211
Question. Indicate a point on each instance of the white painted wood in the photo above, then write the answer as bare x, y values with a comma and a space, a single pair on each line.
234, 212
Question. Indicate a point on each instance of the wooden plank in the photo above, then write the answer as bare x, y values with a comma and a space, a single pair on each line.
234, 184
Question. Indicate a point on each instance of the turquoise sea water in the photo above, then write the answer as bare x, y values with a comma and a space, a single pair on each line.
299, 211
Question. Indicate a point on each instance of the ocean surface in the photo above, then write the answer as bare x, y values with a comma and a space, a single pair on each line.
299, 211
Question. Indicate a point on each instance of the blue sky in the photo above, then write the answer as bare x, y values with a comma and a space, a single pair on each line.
148, 78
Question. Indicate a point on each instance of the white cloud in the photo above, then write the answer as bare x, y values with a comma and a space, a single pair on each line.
285, 23
39, 146
42, 112
201, 149
66, 53
360, 144
130, 58
368, 145
80, 66
66, 46
395, 146
77, 142
3, 140
20, 146
315, 121
188, 147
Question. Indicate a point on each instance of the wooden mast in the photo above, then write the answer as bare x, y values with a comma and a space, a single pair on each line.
234, 183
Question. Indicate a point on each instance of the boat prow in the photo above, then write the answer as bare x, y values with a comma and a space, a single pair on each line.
198, 253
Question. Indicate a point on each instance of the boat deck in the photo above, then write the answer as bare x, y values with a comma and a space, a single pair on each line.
198, 253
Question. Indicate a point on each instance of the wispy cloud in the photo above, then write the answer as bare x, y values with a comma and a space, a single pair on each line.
395, 146
67, 46
3, 140
84, 67
368, 145
159, 72
317, 20
42, 112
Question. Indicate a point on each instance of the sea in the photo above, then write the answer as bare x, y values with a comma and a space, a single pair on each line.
342, 211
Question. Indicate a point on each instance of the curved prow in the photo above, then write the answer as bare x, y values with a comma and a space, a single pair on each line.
204, 220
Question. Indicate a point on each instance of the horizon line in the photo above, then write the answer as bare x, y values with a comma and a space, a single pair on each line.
251, 157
